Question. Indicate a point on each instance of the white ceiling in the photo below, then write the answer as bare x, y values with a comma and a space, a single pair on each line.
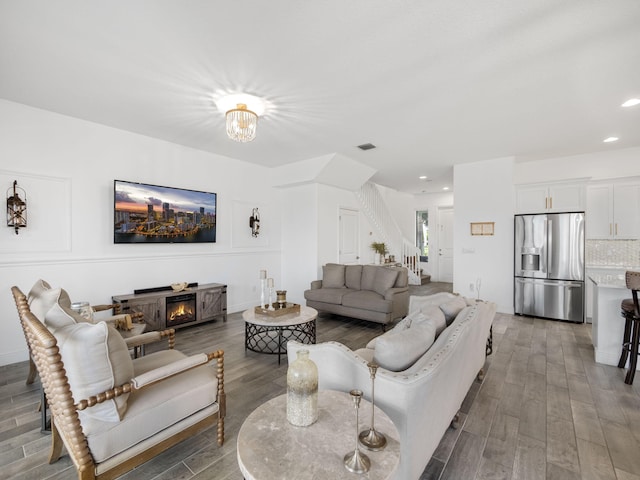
432, 83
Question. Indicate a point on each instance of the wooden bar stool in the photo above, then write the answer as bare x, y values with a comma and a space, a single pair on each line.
631, 313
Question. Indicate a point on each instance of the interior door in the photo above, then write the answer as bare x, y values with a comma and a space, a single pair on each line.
349, 236
445, 245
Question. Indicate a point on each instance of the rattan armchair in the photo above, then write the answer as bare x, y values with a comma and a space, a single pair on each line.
168, 398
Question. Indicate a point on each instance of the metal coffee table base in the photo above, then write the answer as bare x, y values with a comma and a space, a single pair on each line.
273, 339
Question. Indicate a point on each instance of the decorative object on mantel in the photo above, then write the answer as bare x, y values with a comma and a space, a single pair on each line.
482, 228
279, 310
254, 222
16, 207
356, 462
380, 250
179, 287
372, 439
302, 390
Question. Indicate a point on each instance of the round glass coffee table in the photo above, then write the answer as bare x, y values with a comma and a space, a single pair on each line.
266, 334
270, 448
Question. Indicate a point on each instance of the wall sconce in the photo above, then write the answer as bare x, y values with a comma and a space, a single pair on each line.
16, 207
254, 222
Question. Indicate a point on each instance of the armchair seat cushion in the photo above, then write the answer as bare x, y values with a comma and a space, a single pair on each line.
154, 408
367, 300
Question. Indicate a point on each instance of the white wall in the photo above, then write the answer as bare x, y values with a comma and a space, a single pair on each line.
67, 167
484, 192
300, 240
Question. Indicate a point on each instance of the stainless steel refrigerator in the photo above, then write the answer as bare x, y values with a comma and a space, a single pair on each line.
549, 266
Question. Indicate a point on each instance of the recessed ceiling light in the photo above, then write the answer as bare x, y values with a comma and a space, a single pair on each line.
610, 139
632, 102
422, 177
445, 188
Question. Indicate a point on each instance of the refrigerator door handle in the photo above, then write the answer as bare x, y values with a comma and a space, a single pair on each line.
549, 232
555, 283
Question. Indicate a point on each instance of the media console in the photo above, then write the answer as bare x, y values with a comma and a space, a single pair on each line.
163, 307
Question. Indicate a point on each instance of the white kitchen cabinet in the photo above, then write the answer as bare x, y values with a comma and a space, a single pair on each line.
557, 197
626, 211
613, 211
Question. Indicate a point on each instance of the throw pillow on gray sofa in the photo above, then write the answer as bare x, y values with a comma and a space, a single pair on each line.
352, 276
368, 276
384, 280
333, 276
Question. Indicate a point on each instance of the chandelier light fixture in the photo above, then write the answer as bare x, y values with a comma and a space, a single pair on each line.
242, 123
241, 111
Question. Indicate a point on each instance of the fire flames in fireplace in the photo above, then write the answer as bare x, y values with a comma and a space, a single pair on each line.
181, 309
181, 313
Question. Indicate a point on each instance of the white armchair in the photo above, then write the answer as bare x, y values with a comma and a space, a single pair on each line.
111, 412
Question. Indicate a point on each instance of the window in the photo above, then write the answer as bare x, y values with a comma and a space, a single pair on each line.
422, 234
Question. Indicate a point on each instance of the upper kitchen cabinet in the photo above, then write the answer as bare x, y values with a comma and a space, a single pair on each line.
613, 210
556, 197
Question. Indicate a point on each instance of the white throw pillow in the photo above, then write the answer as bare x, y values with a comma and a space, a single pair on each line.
96, 358
41, 299
434, 314
403, 324
400, 350
452, 308
60, 316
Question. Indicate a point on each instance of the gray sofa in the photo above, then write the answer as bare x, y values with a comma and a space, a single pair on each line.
368, 292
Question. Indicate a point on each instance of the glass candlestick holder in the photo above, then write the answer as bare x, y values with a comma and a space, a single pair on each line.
372, 439
356, 461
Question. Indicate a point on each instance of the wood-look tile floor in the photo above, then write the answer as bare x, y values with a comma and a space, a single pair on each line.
544, 410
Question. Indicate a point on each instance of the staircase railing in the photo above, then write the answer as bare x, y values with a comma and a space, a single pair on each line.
378, 214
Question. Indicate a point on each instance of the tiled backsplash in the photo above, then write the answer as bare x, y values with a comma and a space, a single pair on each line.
612, 252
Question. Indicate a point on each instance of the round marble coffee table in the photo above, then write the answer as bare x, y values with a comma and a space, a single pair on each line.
265, 334
270, 448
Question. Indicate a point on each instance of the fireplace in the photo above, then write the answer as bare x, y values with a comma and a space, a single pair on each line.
181, 309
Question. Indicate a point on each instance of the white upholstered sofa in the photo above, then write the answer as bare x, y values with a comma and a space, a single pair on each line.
422, 399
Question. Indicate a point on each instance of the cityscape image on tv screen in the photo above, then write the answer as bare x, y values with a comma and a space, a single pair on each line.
153, 214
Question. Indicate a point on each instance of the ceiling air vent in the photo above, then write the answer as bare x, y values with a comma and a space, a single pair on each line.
366, 146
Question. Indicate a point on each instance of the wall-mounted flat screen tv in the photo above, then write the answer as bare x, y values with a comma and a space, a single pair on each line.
146, 213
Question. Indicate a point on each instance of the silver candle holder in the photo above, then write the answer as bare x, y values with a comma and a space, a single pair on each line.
356, 462
372, 439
